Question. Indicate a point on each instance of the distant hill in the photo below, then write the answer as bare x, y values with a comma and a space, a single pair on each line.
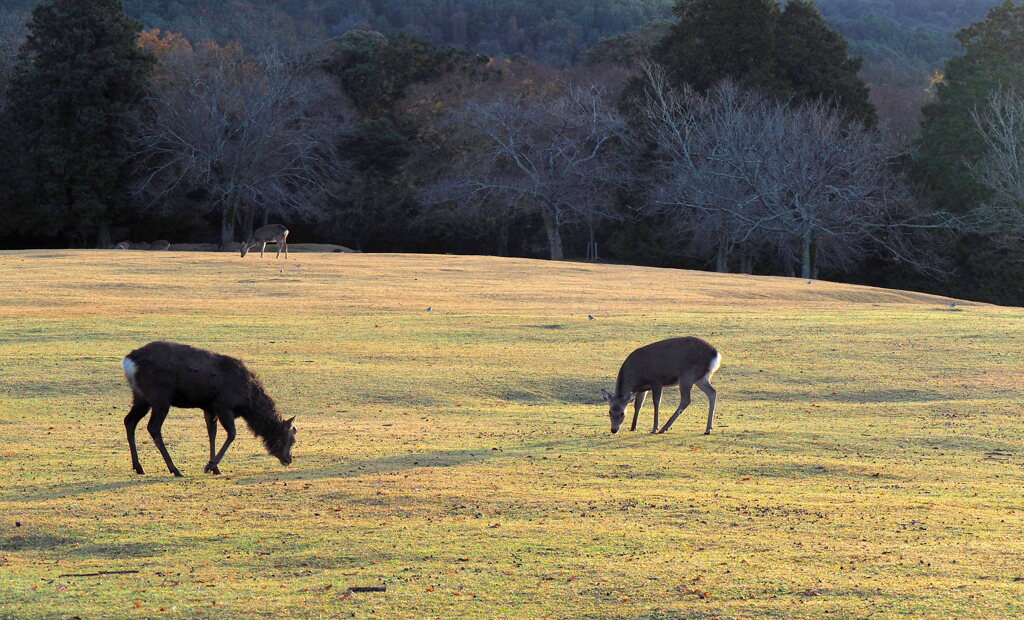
901, 40
551, 31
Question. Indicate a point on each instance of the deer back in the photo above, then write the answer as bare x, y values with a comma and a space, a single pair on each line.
668, 362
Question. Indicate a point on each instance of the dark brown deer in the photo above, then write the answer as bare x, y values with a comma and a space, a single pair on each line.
676, 361
166, 374
271, 233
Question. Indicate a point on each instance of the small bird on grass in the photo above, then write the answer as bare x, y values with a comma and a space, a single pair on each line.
430, 308
590, 316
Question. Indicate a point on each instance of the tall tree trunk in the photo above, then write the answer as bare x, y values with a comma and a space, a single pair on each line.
250, 217
805, 271
554, 237
722, 254
746, 262
814, 259
103, 236
227, 226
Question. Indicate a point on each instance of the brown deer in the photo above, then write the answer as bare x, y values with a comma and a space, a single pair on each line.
271, 233
676, 361
166, 374
161, 245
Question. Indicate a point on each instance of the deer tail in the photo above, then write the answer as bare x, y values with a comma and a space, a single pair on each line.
130, 368
713, 366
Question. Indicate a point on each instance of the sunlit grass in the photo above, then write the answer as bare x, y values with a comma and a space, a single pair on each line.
866, 462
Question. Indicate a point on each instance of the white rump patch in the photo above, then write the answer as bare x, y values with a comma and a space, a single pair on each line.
715, 362
129, 371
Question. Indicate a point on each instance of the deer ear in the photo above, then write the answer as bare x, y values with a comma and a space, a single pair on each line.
290, 421
630, 398
607, 396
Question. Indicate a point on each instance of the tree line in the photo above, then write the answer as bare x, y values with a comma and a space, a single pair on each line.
737, 136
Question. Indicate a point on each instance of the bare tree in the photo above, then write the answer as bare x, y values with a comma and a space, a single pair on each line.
1000, 123
550, 155
803, 182
255, 136
702, 154
12, 35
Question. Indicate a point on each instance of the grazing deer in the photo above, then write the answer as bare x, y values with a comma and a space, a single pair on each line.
682, 361
166, 374
160, 246
271, 233
123, 245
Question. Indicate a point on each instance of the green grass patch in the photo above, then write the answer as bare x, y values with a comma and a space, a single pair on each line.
867, 459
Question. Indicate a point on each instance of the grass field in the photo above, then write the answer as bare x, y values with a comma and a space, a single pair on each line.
868, 459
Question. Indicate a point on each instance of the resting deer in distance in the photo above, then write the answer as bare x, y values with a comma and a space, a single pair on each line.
166, 374
271, 233
676, 361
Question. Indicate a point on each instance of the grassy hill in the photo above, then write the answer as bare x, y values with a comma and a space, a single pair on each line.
867, 459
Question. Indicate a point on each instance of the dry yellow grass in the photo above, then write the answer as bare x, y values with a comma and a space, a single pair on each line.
867, 459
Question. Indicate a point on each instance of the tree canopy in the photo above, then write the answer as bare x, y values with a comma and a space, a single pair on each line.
790, 53
72, 98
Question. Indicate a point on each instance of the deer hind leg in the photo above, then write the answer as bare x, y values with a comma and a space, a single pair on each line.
263, 249
684, 402
140, 407
705, 386
211, 430
227, 420
638, 403
285, 241
656, 401
156, 422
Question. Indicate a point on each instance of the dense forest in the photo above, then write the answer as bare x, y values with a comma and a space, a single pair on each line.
649, 131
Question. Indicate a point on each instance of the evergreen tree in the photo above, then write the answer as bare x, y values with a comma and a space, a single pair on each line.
992, 59
789, 54
72, 98
813, 61
716, 39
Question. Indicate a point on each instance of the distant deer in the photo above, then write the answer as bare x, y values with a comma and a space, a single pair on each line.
160, 246
166, 374
271, 233
682, 361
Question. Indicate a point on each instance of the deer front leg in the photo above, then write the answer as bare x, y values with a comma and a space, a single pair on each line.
138, 411
211, 430
263, 249
656, 401
156, 422
227, 420
705, 386
684, 402
638, 403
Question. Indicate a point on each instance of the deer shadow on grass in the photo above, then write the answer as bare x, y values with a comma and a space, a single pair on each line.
71, 490
867, 397
438, 458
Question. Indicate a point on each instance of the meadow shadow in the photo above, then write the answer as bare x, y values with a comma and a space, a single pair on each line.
72, 489
404, 462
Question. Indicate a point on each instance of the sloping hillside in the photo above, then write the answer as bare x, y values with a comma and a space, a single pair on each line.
453, 445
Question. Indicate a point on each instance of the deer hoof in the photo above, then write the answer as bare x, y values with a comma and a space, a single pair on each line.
211, 469
140, 471
177, 474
